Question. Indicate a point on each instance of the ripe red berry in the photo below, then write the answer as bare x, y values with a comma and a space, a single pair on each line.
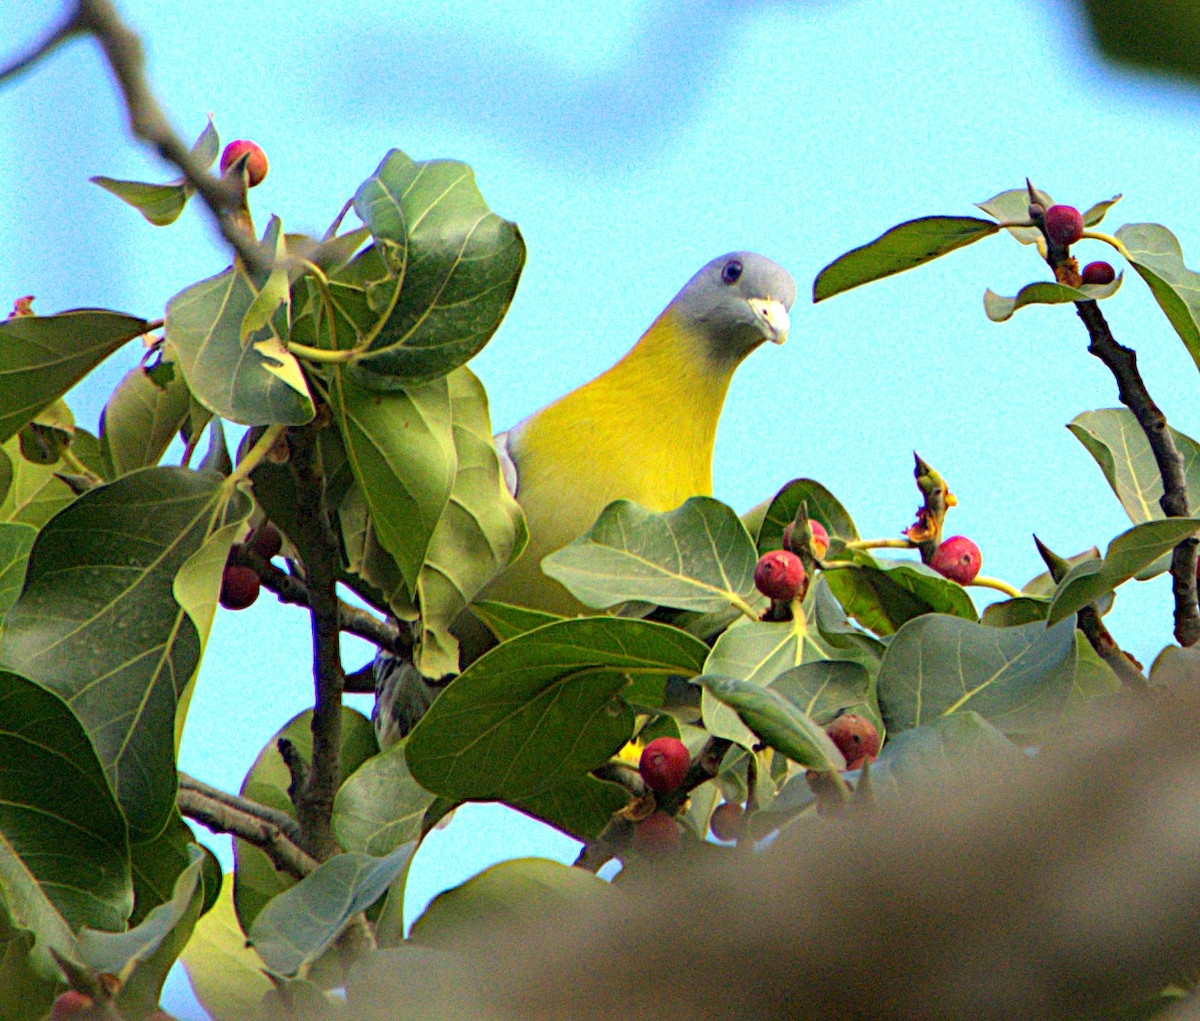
72, 1006
958, 559
820, 538
856, 738
780, 575
664, 764
728, 821
656, 835
1063, 225
239, 587
267, 541
1099, 273
256, 165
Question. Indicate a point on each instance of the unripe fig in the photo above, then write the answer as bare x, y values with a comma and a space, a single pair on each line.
820, 538
1099, 273
239, 586
664, 764
256, 165
856, 738
72, 1006
267, 541
780, 575
656, 835
958, 559
1063, 225
728, 821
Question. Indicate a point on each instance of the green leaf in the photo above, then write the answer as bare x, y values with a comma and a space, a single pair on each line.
255, 880
882, 595
299, 925
16, 541
400, 446
1093, 677
157, 864
1015, 612
823, 506
1130, 552
1155, 253
275, 292
458, 266
1013, 206
35, 493
581, 807
507, 621
161, 204
42, 357
1096, 212
903, 247
544, 707
226, 976
1043, 585
697, 557
380, 806
1018, 678
97, 622
519, 892
776, 721
144, 954
258, 383
1000, 309
1113, 437
141, 419
480, 531
56, 809
824, 688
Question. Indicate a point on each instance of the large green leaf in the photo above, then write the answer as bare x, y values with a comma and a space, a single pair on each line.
823, 506
158, 863
777, 722
582, 806
506, 621
697, 557
1128, 554
1012, 206
883, 594
1162, 37
226, 976
522, 891
457, 268
299, 925
1000, 309
57, 810
255, 880
256, 383
97, 622
400, 446
903, 247
380, 806
823, 688
141, 419
1113, 437
42, 357
16, 542
1155, 253
35, 492
480, 531
1018, 678
543, 708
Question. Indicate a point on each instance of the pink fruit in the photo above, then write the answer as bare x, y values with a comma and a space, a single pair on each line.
267, 541
664, 764
820, 538
728, 820
256, 165
72, 1006
239, 586
958, 559
1099, 273
656, 835
1063, 225
780, 575
856, 738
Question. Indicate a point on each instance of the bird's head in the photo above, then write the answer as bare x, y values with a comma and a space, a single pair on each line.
737, 302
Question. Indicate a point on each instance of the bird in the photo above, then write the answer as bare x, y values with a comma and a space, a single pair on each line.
643, 430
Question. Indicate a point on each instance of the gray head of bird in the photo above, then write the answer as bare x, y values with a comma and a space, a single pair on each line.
737, 302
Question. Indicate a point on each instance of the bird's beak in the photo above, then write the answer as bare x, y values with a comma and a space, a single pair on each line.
773, 316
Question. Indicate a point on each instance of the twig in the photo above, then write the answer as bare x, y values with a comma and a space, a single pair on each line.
361, 681
288, 825
320, 552
268, 837
225, 199
1131, 389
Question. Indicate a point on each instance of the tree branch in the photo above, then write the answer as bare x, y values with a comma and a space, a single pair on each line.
321, 554
60, 34
286, 824
1131, 389
220, 817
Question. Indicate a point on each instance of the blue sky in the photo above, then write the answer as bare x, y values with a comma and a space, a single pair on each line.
633, 141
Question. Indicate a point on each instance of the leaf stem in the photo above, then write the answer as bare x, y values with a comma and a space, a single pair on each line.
999, 585
320, 354
741, 605
1108, 239
882, 544
255, 454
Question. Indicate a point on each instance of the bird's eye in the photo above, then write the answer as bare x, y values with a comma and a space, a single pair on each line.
731, 271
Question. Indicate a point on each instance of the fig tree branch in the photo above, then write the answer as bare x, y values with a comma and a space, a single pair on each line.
321, 554
122, 48
286, 824
220, 817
